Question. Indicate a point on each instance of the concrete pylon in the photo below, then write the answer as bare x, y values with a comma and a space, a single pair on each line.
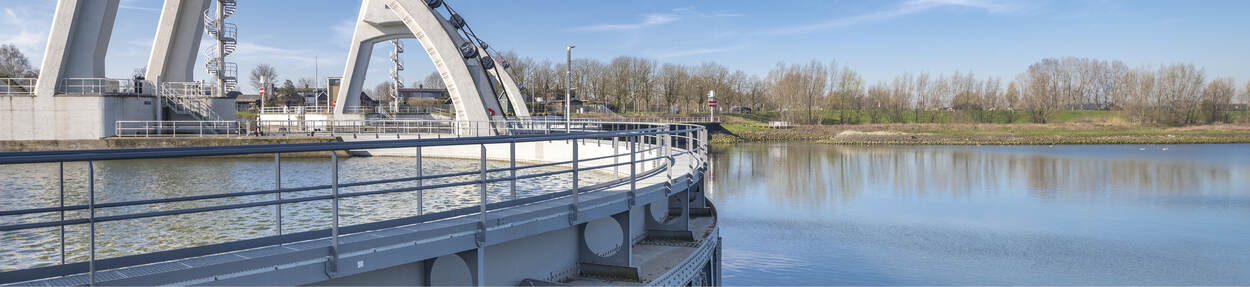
174, 50
78, 41
467, 82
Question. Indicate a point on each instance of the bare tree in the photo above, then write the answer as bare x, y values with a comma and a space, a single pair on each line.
1216, 98
263, 72
382, 92
1245, 94
433, 81
14, 64
305, 84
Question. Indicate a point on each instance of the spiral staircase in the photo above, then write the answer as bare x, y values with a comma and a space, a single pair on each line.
226, 35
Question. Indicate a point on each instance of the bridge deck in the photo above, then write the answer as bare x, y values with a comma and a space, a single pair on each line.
435, 235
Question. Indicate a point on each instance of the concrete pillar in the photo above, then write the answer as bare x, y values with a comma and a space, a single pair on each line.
77, 43
467, 82
176, 45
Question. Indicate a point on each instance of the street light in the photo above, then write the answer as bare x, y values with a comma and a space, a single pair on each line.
568, 88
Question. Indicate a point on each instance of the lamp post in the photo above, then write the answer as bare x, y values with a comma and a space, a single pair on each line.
568, 89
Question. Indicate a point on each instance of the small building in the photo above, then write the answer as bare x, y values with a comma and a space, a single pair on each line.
247, 103
422, 93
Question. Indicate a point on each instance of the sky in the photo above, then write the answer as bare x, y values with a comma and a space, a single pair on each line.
879, 39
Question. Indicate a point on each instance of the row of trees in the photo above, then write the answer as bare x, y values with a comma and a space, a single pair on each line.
803, 92
1170, 94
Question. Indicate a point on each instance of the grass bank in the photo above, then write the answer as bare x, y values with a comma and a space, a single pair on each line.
753, 128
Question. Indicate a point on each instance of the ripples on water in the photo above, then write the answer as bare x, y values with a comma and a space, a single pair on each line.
35, 185
799, 214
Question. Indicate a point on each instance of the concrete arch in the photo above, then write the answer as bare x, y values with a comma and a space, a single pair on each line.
468, 83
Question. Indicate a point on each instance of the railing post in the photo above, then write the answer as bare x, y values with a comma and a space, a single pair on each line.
668, 162
690, 150
512, 167
633, 171
277, 184
616, 157
481, 238
334, 195
420, 182
91, 220
61, 185
574, 209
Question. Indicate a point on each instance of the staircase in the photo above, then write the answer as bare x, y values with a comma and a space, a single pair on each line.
397, 82
191, 100
226, 35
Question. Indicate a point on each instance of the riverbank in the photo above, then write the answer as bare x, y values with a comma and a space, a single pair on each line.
735, 130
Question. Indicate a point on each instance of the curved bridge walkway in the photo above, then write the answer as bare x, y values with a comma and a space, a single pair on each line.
651, 225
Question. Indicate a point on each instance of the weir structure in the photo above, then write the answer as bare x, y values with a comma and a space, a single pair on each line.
73, 99
473, 79
651, 224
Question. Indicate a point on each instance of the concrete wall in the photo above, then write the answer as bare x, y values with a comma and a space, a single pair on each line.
69, 117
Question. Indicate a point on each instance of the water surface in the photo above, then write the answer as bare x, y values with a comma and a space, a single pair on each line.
27, 186
802, 214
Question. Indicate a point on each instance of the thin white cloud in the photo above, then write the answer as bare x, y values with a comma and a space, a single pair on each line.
698, 51
656, 19
906, 8
131, 4
648, 20
344, 30
26, 28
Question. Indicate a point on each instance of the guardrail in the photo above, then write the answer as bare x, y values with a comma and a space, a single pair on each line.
82, 86
18, 86
319, 109
430, 128
187, 89
669, 142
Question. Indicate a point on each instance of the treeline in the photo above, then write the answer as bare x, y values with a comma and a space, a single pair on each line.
802, 92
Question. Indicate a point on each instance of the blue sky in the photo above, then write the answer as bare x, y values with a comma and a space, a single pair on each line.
878, 38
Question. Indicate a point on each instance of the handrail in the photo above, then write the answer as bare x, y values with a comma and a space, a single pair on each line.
660, 138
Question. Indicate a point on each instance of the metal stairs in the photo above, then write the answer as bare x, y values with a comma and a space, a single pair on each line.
226, 35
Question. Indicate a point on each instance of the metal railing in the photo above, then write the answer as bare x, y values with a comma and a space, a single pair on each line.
186, 89
663, 142
182, 128
323, 109
18, 86
82, 86
355, 128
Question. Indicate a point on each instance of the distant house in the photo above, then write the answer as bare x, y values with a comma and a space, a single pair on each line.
247, 103
422, 93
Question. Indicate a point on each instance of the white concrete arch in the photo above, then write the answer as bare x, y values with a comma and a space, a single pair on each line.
468, 83
177, 41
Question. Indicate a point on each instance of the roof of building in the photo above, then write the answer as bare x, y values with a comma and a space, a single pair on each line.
247, 98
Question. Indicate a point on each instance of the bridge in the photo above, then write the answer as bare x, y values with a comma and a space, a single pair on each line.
647, 223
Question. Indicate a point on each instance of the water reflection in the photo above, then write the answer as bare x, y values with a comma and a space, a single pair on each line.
36, 185
905, 215
818, 176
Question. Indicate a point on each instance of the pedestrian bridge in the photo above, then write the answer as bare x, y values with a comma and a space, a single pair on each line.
649, 224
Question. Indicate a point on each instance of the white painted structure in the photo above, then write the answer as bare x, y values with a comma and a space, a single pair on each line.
469, 84
72, 99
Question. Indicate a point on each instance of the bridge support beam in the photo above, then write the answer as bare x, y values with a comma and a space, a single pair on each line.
468, 83
177, 40
605, 248
670, 218
78, 41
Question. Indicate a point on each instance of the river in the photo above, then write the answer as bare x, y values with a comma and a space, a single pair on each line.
35, 185
804, 214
